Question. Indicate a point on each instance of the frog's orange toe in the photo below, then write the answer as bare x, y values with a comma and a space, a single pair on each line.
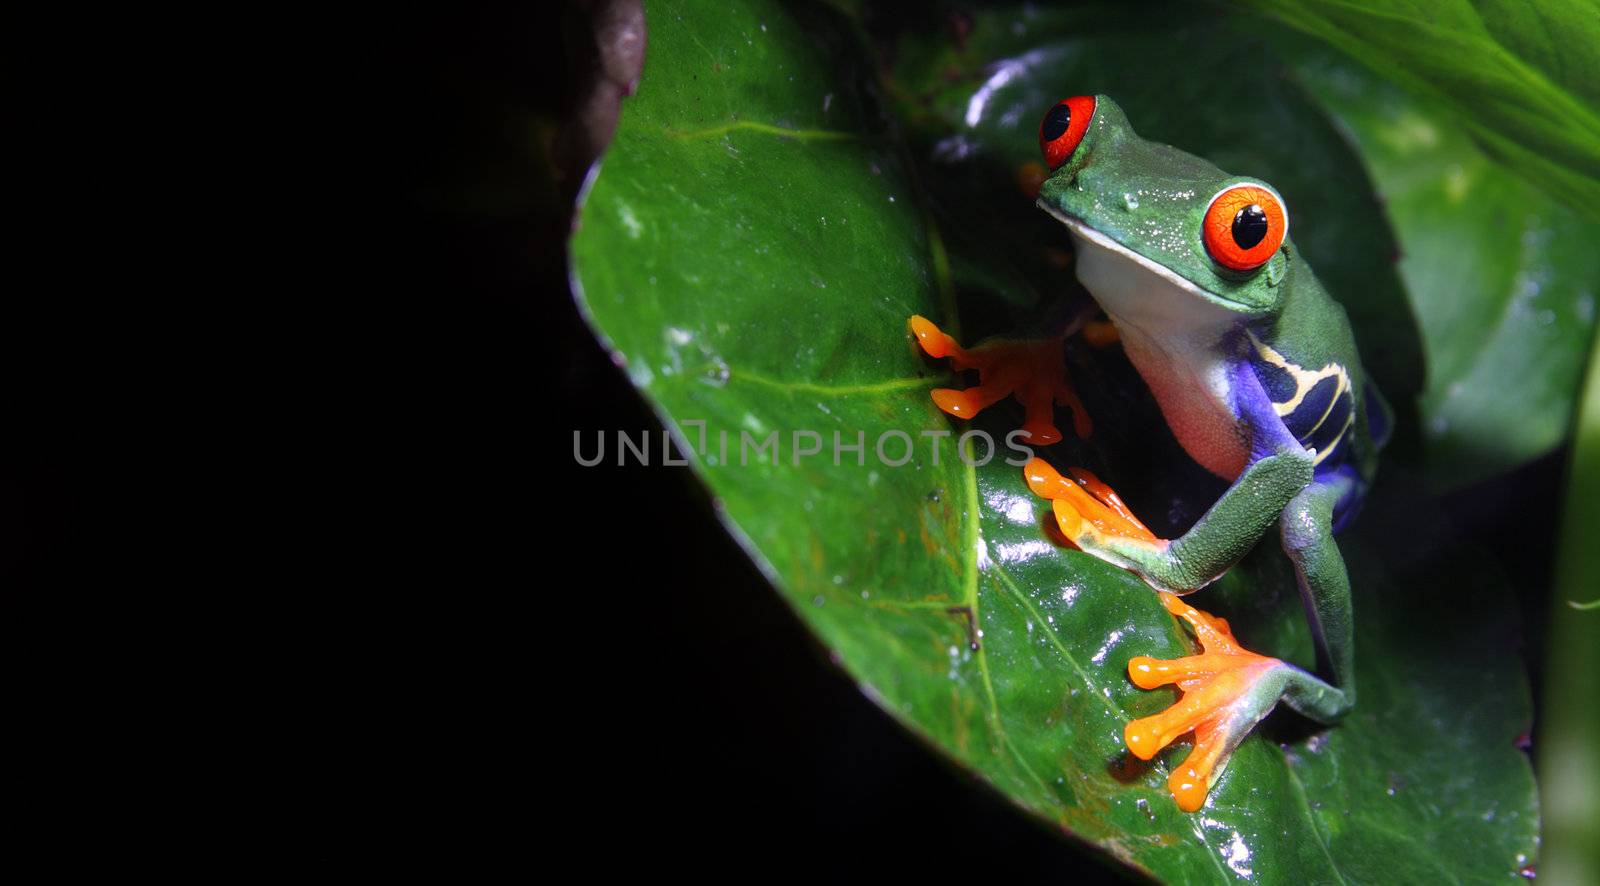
932, 339
1191, 780
1070, 521
961, 404
1041, 431
1224, 696
1086, 508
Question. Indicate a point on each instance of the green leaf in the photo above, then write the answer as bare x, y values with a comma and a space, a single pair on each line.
1503, 276
1524, 78
750, 250
1569, 755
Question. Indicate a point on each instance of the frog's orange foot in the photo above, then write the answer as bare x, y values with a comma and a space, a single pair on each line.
1227, 689
1032, 370
1089, 513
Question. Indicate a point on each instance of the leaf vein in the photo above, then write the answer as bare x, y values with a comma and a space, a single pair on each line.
764, 128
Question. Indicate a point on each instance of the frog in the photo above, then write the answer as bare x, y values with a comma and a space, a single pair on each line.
1255, 370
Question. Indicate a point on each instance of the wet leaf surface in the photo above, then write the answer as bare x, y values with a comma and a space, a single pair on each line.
750, 250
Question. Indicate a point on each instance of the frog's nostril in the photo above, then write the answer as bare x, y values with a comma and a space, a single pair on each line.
1131, 201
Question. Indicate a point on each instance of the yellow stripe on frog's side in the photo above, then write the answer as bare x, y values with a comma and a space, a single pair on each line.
1328, 450
1305, 380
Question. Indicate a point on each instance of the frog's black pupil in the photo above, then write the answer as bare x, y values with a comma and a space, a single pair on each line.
1249, 226
1057, 121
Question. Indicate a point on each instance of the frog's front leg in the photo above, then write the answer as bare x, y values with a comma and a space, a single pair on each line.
1276, 470
1091, 516
1033, 370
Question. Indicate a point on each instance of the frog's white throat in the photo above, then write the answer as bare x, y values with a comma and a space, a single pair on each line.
1131, 286
1173, 332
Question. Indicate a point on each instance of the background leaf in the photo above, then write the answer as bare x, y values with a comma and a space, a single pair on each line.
1524, 78
750, 250
1502, 276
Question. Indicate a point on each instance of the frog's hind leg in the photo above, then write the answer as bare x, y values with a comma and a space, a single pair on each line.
1307, 527
1227, 689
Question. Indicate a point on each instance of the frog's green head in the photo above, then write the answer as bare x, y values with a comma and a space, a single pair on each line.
1169, 211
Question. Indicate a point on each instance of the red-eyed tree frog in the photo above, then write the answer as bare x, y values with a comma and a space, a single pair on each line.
1255, 370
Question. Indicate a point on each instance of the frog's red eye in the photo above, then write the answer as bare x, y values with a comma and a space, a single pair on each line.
1064, 127
1244, 226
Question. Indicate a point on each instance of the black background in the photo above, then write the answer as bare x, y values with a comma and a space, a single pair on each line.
682, 716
